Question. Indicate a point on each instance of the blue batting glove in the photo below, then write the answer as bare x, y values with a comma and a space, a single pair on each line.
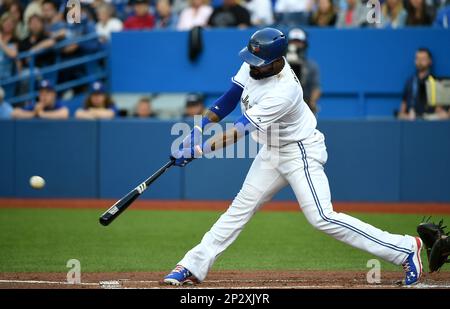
186, 155
190, 148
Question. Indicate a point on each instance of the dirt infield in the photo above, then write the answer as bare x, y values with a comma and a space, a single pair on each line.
401, 208
222, 279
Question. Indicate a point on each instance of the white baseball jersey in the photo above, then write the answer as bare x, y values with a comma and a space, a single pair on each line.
275, 106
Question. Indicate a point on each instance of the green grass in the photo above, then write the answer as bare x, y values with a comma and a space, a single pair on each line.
41, 240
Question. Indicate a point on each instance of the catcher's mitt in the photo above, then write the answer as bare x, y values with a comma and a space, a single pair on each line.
437, 243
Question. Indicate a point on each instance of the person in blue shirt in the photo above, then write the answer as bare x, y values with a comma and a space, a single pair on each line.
47, 106
443, 17
98, 104
165, 18
5, 108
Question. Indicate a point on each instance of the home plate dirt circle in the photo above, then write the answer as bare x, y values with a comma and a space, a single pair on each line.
222, 279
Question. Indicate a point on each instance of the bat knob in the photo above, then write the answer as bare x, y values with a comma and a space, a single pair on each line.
104, 221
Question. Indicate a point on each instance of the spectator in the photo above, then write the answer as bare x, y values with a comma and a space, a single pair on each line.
47, 107
8, 45
419, 13
15, 9
194, 105
165, 18
293, 12
196, 15
325, 16
443, 17
393, 14
144, 109
354, 16
33, 8
37, 40
106, 22
5, 108
98, 104
306, 70
53, 22
261, 13
230, 14
414, 104
179, 5
142, 19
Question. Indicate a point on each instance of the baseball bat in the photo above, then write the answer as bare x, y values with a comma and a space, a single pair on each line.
115, 210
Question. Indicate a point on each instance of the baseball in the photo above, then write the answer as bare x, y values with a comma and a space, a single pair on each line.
37, 182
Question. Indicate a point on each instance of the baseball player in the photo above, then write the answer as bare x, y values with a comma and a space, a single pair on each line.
271, 100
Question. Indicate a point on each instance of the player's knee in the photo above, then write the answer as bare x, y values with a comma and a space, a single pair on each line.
321, 220
248, 196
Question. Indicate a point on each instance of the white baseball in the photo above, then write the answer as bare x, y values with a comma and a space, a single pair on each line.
37, 182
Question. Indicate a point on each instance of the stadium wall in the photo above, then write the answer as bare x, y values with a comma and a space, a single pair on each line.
362, 70
368, 161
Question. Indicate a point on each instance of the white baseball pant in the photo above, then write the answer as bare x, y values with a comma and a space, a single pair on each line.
301, 166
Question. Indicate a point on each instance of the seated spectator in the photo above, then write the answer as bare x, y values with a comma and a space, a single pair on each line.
141, 19
106, 22
8, 45
5, 108
47, 106
325, 16
306, 70
393, 14
293, 12
98, 104
37, 40
165, 18
414, 104
15, 9
355, 15
230, 14
419, 13
196, 15
194, 105
261, 13
443, 17
144, 109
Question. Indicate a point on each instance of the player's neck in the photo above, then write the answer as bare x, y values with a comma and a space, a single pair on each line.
279, 66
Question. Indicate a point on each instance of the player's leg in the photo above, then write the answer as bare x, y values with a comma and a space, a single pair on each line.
261, 183
304, 172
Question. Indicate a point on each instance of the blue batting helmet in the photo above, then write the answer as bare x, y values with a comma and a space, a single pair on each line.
265, 46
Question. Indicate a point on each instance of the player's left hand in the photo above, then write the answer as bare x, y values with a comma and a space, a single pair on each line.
190, 148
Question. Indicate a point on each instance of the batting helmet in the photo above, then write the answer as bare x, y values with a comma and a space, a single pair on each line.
265, 46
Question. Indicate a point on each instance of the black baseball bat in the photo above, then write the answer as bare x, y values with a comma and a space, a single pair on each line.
112, 213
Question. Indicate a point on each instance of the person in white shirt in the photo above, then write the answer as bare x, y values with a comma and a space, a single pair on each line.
293, 12
196, 15
261, 12
106, 22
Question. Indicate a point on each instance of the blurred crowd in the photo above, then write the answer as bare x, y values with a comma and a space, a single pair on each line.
37, 25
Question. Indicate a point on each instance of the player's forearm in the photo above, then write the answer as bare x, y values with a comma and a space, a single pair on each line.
226, 139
